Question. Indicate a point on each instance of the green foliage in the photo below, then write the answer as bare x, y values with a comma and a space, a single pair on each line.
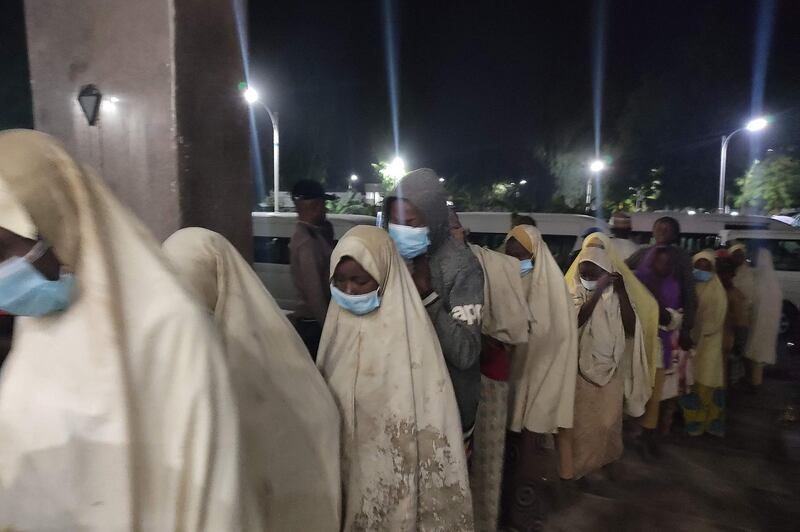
569, 168
770, 185
638, 197
350, 203
388, 174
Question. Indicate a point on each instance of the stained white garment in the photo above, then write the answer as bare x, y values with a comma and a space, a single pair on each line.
542, 375
403, 462
505, 310
290, 423
765, 314
117, 414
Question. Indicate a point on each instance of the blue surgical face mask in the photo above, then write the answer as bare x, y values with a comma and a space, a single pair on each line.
24, 291
702, 276
525, 266
410, 241
358, 305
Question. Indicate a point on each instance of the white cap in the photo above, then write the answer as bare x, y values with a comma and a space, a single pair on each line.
14, 217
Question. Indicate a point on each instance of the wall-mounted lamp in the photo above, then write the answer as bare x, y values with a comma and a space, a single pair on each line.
89, 97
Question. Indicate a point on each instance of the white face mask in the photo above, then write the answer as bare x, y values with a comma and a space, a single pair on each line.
589, 285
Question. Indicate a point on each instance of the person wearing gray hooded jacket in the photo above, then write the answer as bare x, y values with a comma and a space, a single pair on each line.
448, 277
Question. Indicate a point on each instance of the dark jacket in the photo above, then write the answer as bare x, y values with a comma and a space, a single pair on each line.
457, 278
310, 255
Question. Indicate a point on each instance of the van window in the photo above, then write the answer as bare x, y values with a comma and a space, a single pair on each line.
561, 246
694, 243
487, 240
785, 253
691, 242
271, 250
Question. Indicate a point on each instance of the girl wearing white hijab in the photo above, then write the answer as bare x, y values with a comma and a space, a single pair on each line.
290, 424
612, 363
116, 410
403, 463
764, 318
543, 369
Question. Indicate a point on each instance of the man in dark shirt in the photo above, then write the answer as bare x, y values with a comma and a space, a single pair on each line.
310, 255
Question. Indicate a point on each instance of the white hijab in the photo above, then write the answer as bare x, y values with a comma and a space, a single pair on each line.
543, 370
118, 413
290, 424
403, 463
604, 349
765, 315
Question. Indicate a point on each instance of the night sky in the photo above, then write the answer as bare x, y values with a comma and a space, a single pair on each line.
482, 87
486, 86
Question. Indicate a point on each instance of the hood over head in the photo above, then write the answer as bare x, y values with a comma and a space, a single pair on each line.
422, 188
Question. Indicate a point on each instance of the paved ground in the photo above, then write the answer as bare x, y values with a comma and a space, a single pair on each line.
749, 480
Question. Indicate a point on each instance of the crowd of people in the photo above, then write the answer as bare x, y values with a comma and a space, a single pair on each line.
416, 386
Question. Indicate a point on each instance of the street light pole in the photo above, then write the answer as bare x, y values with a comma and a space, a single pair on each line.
589, 192
723, 159
251, 97
276, 156
756, 124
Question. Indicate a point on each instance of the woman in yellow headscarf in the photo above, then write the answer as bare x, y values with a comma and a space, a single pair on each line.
648, 312
704, 408
613, 372
643, 301
403, 462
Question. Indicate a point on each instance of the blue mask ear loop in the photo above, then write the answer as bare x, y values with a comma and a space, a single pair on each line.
36, 252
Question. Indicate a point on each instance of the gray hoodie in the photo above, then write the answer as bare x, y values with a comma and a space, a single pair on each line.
457, 278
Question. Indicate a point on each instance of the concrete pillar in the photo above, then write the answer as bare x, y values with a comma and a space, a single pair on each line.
172, 139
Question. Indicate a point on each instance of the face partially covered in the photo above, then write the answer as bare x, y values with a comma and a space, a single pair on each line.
12, 245
517, 250
704, 265
352, 279
590, 271
403, 212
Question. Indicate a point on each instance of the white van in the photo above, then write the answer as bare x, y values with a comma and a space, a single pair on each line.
785, 248
700, 231
271, 234
561, 232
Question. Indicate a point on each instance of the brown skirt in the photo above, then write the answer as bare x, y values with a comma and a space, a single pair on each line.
596, 435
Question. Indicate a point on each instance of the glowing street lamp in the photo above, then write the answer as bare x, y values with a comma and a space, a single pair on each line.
441, 180
753, 126
757, 124
523, 182
354, 178
596, 166
251, 97
396, 169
